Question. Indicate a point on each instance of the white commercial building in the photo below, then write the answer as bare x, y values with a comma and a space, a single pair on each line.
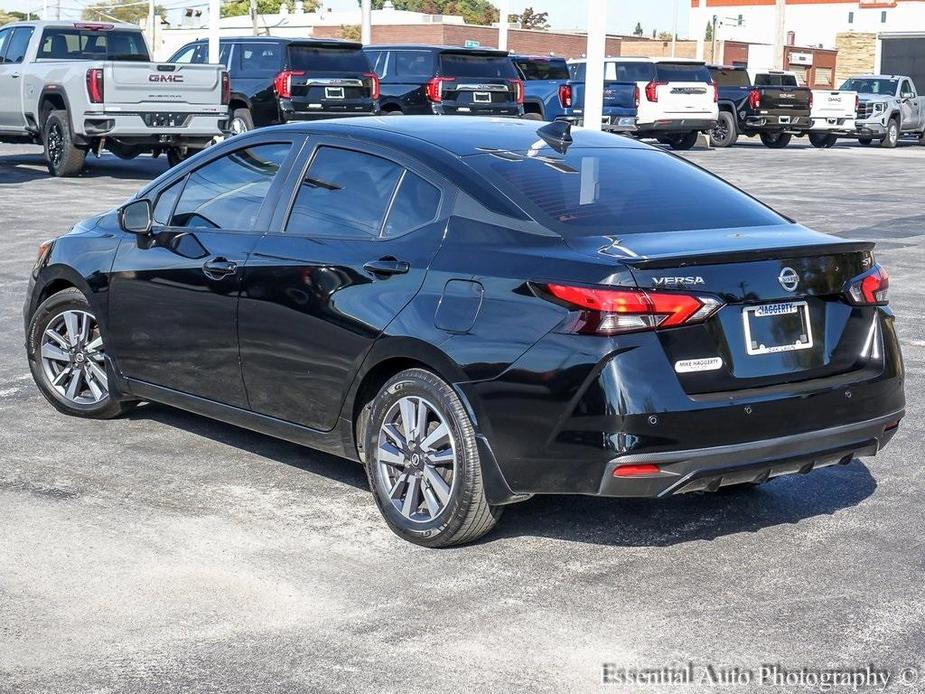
809, 22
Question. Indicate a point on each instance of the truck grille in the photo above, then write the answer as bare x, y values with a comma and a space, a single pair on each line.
865, 110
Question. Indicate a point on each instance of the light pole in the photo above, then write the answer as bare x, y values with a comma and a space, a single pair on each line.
780, 24
594, 64
505, 11
674, 30
215, 15
366, 21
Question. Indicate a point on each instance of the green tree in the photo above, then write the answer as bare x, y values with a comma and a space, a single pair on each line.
664, 36
236, 8
639, 31
529, 19
350, 32
122, 10
708, 34
472, 11
7, 16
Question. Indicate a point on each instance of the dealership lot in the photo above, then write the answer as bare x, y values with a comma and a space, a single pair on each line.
166, 551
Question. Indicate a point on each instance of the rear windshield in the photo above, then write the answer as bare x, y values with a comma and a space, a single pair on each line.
77, 44
628, 72
730, 78
766, 80
542, 68
325, 59
871, 86
682, 72
457, 65
594, 191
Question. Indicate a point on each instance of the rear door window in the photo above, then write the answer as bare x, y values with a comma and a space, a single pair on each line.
258, 59
411, 64
415, 204
542, 68
16, 51
682, 72
328, 59
229, 192
5, 35
460, 65
344, 194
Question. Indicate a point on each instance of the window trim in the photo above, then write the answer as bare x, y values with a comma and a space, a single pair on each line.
405, 169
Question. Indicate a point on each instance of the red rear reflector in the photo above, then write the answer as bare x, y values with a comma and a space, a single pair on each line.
613, 311
636, 470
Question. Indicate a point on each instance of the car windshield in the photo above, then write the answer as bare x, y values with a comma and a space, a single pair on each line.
458, 65
871, 86
542, 68
730, 77
325, 59
594, 191
94, 44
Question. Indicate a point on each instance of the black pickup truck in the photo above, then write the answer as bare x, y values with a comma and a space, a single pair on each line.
772, 107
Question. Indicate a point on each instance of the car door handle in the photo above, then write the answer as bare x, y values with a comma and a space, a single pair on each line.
387, 267
216, 268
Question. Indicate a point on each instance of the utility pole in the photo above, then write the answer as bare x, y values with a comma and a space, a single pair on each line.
215, 15
713, 40
151, 27
253, 12
594, 64
366, 22
780, 33
674, 30
505, 11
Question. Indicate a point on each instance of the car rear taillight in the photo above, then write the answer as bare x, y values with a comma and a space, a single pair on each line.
565, 95
282, 83
715, 93
638, 470
612, 311
857, 103
870, 289
226, 89
95, 85
434, 88
652, 91
518, 90
810, 99
754, 99
636, 96
373, 81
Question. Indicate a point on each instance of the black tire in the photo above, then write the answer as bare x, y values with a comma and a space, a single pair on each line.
62, 156
726, 132
46, 315
175, 155
891, 139
865, 141
466, 515
683, 141
242, 119
395, 112
532, 116
125, 152
822, 140
775, 140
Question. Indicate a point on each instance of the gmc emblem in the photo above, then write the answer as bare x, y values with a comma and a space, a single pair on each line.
165, 78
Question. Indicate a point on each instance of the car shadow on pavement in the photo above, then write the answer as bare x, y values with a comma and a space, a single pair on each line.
680, 519
23, 168
277, 450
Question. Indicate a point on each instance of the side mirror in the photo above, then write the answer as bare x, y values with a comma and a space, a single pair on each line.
135, 217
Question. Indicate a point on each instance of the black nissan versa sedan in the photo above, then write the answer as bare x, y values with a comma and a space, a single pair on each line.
478, 310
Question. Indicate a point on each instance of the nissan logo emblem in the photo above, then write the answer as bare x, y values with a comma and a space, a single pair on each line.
789, 279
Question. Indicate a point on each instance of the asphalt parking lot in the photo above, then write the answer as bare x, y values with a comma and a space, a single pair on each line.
166, 552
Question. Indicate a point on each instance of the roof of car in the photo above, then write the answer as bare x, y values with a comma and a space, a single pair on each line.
458, 136
286, 39
437, 49
529, 56
60, 24
629, 59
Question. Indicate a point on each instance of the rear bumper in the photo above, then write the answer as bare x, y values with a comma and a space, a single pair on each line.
708, 469
842, 126
121, 125
778, 122
290, 116
681, 125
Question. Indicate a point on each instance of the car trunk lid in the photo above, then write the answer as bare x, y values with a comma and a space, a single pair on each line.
479, 83
176, 85
329, 78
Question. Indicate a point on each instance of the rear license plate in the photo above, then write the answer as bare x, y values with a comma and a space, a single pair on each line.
784, 119
774, 328
481, 97
334, 92
165, 120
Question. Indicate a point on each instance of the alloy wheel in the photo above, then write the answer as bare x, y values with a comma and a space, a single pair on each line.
416, 455
237, 126
55, 144
72, 358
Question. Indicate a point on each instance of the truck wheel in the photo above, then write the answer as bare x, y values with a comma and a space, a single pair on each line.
865, 140
775, 140
241, 121
822, 140
725, 133
175, 155
532, 116
62, 156
683, 141
892, 134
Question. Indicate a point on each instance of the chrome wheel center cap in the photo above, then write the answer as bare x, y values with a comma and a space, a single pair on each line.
415, 459
79, 358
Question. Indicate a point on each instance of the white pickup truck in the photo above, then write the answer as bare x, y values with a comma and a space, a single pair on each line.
77, 87
834, 115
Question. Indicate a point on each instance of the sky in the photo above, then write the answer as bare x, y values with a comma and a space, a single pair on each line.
563, 14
